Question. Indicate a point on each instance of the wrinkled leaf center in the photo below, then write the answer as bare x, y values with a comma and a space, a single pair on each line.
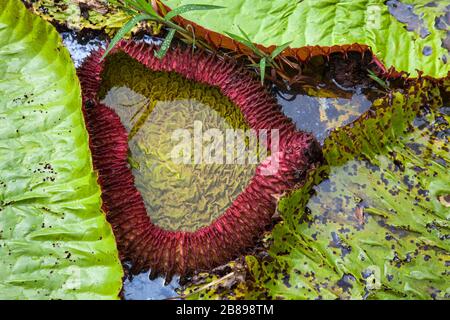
168, 118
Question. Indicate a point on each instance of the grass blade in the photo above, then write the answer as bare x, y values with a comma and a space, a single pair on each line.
124, 30
251, 45
190, 7
165, 45
248, 44
237, 38
374, 77
279, 50
244, 34
253, 65
262, 69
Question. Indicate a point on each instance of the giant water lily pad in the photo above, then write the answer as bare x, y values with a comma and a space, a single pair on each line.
375, 225
373, 222
55, 242
404, 35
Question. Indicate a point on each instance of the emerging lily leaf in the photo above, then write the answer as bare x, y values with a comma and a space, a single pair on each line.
55, 242
171, 216
408, 35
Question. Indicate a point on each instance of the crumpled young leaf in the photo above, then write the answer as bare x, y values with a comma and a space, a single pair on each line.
402, 34
55, 242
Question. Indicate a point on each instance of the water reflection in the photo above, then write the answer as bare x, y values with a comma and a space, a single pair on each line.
140, 287
80, 51
320, 115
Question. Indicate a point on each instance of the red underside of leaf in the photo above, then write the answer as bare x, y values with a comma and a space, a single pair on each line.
170, 252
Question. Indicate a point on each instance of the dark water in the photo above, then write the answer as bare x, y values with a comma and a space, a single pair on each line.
319, 113
141, 288
79, 50
80, 47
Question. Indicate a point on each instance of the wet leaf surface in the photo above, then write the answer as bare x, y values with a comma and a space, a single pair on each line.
372, 226
55, 242
372, 223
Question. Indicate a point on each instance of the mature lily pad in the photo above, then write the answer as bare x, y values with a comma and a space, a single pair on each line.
374, 227
404, 35
55, 242
373, 222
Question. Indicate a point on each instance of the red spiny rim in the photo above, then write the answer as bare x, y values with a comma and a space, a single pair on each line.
148, 246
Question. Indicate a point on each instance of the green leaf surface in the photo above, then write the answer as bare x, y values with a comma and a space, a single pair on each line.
55, 242
407, 39
372, 226
372, 223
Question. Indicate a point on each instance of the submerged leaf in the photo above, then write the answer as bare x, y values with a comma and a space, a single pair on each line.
55, 242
